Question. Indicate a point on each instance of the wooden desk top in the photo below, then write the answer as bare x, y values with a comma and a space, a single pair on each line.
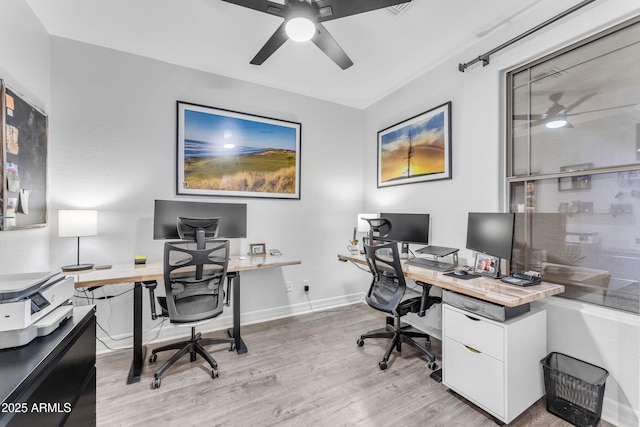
484, 288
126, 273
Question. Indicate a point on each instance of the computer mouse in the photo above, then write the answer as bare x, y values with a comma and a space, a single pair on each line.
460, 272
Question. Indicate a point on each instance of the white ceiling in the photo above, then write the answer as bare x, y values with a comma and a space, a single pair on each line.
387, 49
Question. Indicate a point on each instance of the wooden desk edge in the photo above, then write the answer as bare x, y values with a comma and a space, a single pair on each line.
484, 288
129, 273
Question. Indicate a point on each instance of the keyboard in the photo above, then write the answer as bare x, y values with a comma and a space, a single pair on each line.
431, 264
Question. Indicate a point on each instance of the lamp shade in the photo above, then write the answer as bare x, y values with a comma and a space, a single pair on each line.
77, 223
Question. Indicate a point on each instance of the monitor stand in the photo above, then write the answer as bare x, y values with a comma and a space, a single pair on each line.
440, 251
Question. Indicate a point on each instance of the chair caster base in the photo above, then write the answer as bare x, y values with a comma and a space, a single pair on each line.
382, 365
156, 383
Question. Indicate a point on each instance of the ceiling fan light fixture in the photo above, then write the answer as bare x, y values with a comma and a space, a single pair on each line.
556, 123
300, 29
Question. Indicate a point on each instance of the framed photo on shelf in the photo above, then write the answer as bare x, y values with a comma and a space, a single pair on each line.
417, 149
257, 249
487, 265
228, 153
576, 182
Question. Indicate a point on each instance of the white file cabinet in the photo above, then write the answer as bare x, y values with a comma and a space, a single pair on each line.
495, 365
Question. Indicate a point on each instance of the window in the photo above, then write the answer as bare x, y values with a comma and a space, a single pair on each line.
573, 171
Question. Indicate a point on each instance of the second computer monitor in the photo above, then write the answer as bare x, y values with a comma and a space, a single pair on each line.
408, 228
491, 233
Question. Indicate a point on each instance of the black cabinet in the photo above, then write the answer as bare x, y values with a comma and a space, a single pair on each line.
52, 380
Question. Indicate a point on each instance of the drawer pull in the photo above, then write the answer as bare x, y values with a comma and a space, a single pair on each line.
475, 319
470, 307
472, 350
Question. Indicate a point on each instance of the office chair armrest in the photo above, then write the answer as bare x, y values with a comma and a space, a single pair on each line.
424, 298
151, 286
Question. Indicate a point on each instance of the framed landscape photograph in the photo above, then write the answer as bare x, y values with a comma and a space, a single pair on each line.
417, 149
228, 153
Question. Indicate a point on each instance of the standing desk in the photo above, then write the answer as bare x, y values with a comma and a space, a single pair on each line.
140, 273
484, 288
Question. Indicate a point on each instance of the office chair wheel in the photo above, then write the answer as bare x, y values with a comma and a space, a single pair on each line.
360, 342
232, 346
155, 383
382, 365
153, 358
433, 366
215, 373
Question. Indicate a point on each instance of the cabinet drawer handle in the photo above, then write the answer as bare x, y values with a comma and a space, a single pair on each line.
475, 319
472, 350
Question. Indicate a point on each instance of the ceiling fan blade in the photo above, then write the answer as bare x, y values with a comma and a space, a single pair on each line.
330, 47
334, 9
576, 103
265, 6
276, 40
601, 109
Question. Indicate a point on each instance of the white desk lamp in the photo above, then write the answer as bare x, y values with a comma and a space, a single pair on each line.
77, 223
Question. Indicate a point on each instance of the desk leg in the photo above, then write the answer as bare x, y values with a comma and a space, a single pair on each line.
138, 349
234, 332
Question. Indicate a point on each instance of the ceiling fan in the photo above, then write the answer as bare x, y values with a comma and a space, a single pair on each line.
303, 21
556, 115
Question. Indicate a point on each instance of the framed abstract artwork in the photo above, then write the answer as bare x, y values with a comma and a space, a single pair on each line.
417, 149
228, 153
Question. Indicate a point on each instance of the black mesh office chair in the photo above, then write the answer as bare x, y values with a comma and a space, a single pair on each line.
194, 280
385, 294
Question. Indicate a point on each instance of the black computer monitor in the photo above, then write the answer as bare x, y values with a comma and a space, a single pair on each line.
491, 233
408, 228
232, 217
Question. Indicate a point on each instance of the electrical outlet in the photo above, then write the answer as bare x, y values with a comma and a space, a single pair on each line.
289, 286
306, 285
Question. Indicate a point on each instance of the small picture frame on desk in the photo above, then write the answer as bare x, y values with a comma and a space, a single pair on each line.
257, 250
487, 265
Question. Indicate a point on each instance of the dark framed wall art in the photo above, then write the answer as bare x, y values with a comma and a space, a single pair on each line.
23, 194
228, 153
417, 149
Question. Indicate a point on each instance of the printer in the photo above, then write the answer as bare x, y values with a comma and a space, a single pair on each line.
33, 305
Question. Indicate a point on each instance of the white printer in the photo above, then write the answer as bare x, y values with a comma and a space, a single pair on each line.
32, 305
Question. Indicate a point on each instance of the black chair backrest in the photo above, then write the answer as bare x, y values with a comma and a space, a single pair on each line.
194, 278
388, 284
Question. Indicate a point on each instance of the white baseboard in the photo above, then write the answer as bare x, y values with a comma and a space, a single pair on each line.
168, 332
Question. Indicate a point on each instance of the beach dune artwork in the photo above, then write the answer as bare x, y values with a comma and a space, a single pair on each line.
417, 149
228, 153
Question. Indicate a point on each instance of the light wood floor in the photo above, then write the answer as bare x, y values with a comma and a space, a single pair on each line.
305, 370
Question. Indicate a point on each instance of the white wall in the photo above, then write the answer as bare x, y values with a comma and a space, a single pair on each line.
24, 67
113, 139
477, 97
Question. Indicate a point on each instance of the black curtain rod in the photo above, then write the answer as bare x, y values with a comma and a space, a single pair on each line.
485, 57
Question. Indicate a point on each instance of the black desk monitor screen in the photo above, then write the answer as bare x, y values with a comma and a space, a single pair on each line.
408, 228
491, 233
232, 217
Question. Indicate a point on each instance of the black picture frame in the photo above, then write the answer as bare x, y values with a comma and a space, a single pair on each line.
486, 265
232, 154
417, 149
